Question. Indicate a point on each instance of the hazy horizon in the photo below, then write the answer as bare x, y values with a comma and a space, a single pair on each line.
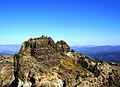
78, 22
77, 45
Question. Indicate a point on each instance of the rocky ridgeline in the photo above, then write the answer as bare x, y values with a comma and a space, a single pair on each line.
43, 63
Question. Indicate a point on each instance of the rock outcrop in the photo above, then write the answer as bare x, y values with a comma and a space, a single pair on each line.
6, 71
43, 63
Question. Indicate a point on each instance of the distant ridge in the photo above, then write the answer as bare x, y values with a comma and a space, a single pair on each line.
106, 53
110, 53
9, 49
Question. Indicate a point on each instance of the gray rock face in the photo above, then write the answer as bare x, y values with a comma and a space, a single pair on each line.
63, 46
37, 56
43, 63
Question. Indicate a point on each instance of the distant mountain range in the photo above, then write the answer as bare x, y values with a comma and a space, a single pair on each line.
106, 53
9, 49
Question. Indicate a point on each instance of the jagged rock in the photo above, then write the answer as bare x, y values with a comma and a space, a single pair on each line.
82, 63
43, 63
6, 71
63, 46
37, 56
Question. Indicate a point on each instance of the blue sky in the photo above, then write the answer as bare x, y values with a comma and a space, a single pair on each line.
78, 22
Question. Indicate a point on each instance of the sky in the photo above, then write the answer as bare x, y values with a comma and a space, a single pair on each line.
78, 22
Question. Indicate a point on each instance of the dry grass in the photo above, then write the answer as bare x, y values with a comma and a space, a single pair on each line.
116, 68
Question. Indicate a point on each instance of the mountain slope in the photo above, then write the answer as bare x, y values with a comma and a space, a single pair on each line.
43, 63
107, 56
104, 53
46, 63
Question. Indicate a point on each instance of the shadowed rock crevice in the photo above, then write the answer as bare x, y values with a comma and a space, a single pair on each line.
14, 83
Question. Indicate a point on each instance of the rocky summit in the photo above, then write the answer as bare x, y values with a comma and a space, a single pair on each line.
43, 63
